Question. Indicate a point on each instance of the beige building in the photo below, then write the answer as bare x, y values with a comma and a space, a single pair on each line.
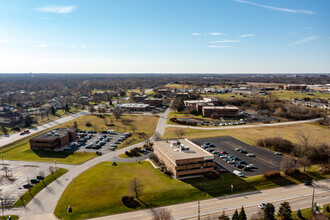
183, 158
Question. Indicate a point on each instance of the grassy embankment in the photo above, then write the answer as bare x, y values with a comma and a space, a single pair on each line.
28, 195
106, 184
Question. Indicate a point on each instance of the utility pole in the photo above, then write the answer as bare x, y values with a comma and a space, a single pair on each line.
199, 211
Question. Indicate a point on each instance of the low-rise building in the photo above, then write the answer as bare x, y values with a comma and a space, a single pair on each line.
220, 111
53, 140
139, 98
134, 107
153, 102
183, 158
10, 118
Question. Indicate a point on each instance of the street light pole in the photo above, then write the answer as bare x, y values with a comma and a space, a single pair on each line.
199, 211
55, 164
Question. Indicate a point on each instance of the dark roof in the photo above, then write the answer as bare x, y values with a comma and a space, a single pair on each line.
10, 114
53, 134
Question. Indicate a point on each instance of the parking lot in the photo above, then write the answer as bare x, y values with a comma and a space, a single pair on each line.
20, 173
263, 160
110, 141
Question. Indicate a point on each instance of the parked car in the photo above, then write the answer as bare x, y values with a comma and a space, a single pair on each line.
40, 177
277, 153
223, 156
238, 148
230, 161
238, 173
224, 152
308, 182
111, 148
34, 181
27, 131
22, 133
250, 155
27, 186
222, 171
243, 151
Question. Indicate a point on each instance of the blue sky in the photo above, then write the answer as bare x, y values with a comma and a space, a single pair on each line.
165, 36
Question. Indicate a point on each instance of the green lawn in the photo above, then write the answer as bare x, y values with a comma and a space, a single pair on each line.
251, 135
28, 196
288, 95
306, 213
106, 184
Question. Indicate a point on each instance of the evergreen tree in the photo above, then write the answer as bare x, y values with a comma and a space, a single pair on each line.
269, 211
52, 110
66, 107
284, 212
235, 215
223, 216
28, 121
242, 215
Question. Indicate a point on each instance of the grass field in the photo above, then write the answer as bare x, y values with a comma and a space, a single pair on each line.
224, 96
306, 213
106, 184
288, 95
251, 135
28, 196
20, 150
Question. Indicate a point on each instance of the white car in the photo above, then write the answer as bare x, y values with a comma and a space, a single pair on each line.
262, 205
250, 165
250, 155
278, 153
238, 173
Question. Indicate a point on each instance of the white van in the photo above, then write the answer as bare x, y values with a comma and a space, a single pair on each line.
238, 173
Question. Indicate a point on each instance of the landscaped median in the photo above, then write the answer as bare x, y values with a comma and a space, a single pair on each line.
99, 190
28, 195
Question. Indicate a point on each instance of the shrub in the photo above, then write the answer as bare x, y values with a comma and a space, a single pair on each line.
271, 174
276, 144
88, 124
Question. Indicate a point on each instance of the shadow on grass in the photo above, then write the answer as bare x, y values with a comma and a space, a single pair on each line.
52, 154
132, 204
302, 177
221, 186
280, 181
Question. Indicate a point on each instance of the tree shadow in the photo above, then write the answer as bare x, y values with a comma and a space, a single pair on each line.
132, 204
281, 181
302, 177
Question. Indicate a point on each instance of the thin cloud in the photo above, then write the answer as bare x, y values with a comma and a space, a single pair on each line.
57, 9
83, 46
216, 34
292, 33
295, 11
41, 45
304, 40
3, 41
224, 41
213, 46
245, 35
196, 34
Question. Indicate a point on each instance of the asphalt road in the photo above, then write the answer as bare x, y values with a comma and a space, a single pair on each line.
299, 196
4, 140
264, 159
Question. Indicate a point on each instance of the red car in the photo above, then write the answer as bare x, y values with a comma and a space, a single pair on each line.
26, 131
22, 133
224, 152
222, 171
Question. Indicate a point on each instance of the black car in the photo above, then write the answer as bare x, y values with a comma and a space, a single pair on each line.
27, 186
40, 177
308, 182
34, 181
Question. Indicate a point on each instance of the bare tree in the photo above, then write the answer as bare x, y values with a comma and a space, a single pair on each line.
157, 135
117, 113
306, 139
286, 164
51, 170
161, 214
133, 128
6, 169
135, 187
180, 132
304, 161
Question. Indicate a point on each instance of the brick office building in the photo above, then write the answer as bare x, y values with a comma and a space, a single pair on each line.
54, 140
183, 158
220, 111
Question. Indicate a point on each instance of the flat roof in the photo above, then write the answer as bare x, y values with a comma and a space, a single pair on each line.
53, 134
194, 151
220, 107
136, 105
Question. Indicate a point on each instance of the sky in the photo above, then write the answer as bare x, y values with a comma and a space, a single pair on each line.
165, 36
